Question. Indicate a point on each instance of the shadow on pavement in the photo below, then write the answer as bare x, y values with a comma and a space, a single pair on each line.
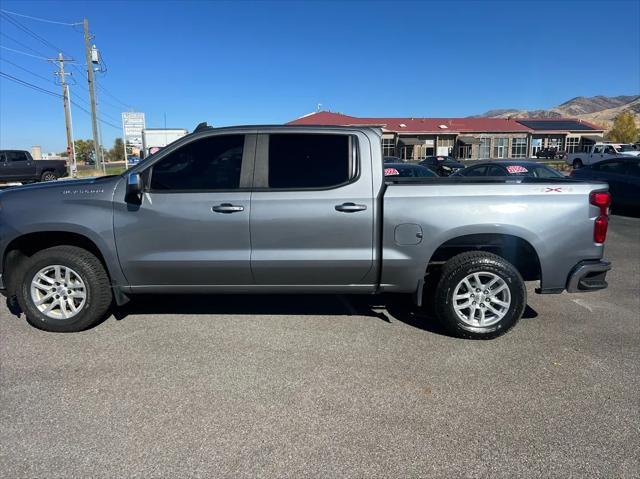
386, 307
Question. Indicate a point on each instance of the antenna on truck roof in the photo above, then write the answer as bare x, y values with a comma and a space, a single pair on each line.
202, 126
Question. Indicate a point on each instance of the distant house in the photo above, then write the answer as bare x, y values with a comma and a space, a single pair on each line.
468, 138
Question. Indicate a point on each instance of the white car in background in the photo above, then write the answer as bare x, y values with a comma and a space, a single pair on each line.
599, 152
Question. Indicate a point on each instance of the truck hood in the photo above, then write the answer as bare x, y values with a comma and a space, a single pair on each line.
63, 184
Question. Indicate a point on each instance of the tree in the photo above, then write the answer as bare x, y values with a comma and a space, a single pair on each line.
624, 128
117, 152
84, 150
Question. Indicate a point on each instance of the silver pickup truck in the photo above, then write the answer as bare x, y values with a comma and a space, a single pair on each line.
291, 209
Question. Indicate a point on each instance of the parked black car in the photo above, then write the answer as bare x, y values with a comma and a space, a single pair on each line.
442, 165
510, 168
549, 153
623, 176
407, 170
19, 165
392, 159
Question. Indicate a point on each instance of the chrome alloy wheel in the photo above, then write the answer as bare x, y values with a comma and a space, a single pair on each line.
481, 299
58, 292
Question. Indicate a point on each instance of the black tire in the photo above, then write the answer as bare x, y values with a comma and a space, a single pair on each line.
48, 176
577, 164
459, 267
91, 271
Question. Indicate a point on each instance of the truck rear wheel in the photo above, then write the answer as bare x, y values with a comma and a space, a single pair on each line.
577, 164
479, 296
63, 289
48, 176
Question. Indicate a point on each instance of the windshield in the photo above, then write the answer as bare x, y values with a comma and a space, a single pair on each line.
626, 148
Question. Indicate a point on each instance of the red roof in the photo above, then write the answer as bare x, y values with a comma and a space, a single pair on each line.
415, 125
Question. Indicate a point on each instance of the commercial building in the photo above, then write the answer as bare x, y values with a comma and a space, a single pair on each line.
468, 138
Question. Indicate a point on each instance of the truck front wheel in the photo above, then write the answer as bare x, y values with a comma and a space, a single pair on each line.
577, 164
63, 289
479, 296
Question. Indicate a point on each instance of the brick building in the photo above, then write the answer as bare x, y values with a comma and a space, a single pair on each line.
468, 138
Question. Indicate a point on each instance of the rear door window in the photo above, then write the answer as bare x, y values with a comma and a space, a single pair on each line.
618, 167
299, 161
634, 169
476, 171
494, 170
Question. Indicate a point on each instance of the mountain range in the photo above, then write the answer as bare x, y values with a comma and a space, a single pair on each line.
596, 109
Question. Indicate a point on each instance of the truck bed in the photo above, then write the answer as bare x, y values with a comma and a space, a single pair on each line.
552, 215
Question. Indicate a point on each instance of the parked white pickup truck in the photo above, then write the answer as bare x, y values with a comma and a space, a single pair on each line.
599, 152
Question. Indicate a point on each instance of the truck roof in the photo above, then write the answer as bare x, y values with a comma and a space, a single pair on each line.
204, 127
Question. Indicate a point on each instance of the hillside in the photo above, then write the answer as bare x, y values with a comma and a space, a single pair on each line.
597, 109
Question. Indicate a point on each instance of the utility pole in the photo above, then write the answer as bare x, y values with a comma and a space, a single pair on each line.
67, 113
92, 98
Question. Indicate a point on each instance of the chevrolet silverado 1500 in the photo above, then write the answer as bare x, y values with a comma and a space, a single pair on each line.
297, 209
19, 165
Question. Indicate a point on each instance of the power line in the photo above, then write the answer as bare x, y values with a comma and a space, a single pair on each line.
100, 87
22, 44
99, 119
57, 95
23, 53
40, 19
30, 85
27, 70
25, 29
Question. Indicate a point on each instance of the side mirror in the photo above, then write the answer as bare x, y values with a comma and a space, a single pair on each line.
134, 189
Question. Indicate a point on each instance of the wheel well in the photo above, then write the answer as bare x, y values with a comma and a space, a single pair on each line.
26, 245
514, 249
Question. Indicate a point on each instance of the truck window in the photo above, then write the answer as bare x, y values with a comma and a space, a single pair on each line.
609, 150
634, 169
598, 149
16, 156
310, 160
619, 167
211, 163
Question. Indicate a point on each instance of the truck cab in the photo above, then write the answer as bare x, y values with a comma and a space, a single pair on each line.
16, 165
592, 154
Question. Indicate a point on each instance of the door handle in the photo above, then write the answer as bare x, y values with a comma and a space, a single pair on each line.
227, 208
350, 207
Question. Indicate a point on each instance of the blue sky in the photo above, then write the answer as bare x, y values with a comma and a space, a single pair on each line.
270, 62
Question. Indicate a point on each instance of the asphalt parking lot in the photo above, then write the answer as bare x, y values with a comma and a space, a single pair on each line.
313, 386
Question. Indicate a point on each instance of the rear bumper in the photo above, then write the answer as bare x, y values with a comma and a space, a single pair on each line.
588, 276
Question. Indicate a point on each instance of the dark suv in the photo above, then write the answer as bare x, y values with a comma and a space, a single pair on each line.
19, 165
549, 153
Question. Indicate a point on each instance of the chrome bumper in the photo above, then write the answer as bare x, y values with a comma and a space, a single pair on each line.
588, 276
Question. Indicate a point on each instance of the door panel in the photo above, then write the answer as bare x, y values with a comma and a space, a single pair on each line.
18, 165
192, 228
312, 237
177, 239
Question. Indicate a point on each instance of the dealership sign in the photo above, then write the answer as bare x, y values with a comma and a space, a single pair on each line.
132, 126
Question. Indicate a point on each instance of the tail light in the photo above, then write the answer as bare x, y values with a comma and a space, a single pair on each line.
601, 199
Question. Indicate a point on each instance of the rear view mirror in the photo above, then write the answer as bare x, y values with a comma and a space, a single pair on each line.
134, 189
